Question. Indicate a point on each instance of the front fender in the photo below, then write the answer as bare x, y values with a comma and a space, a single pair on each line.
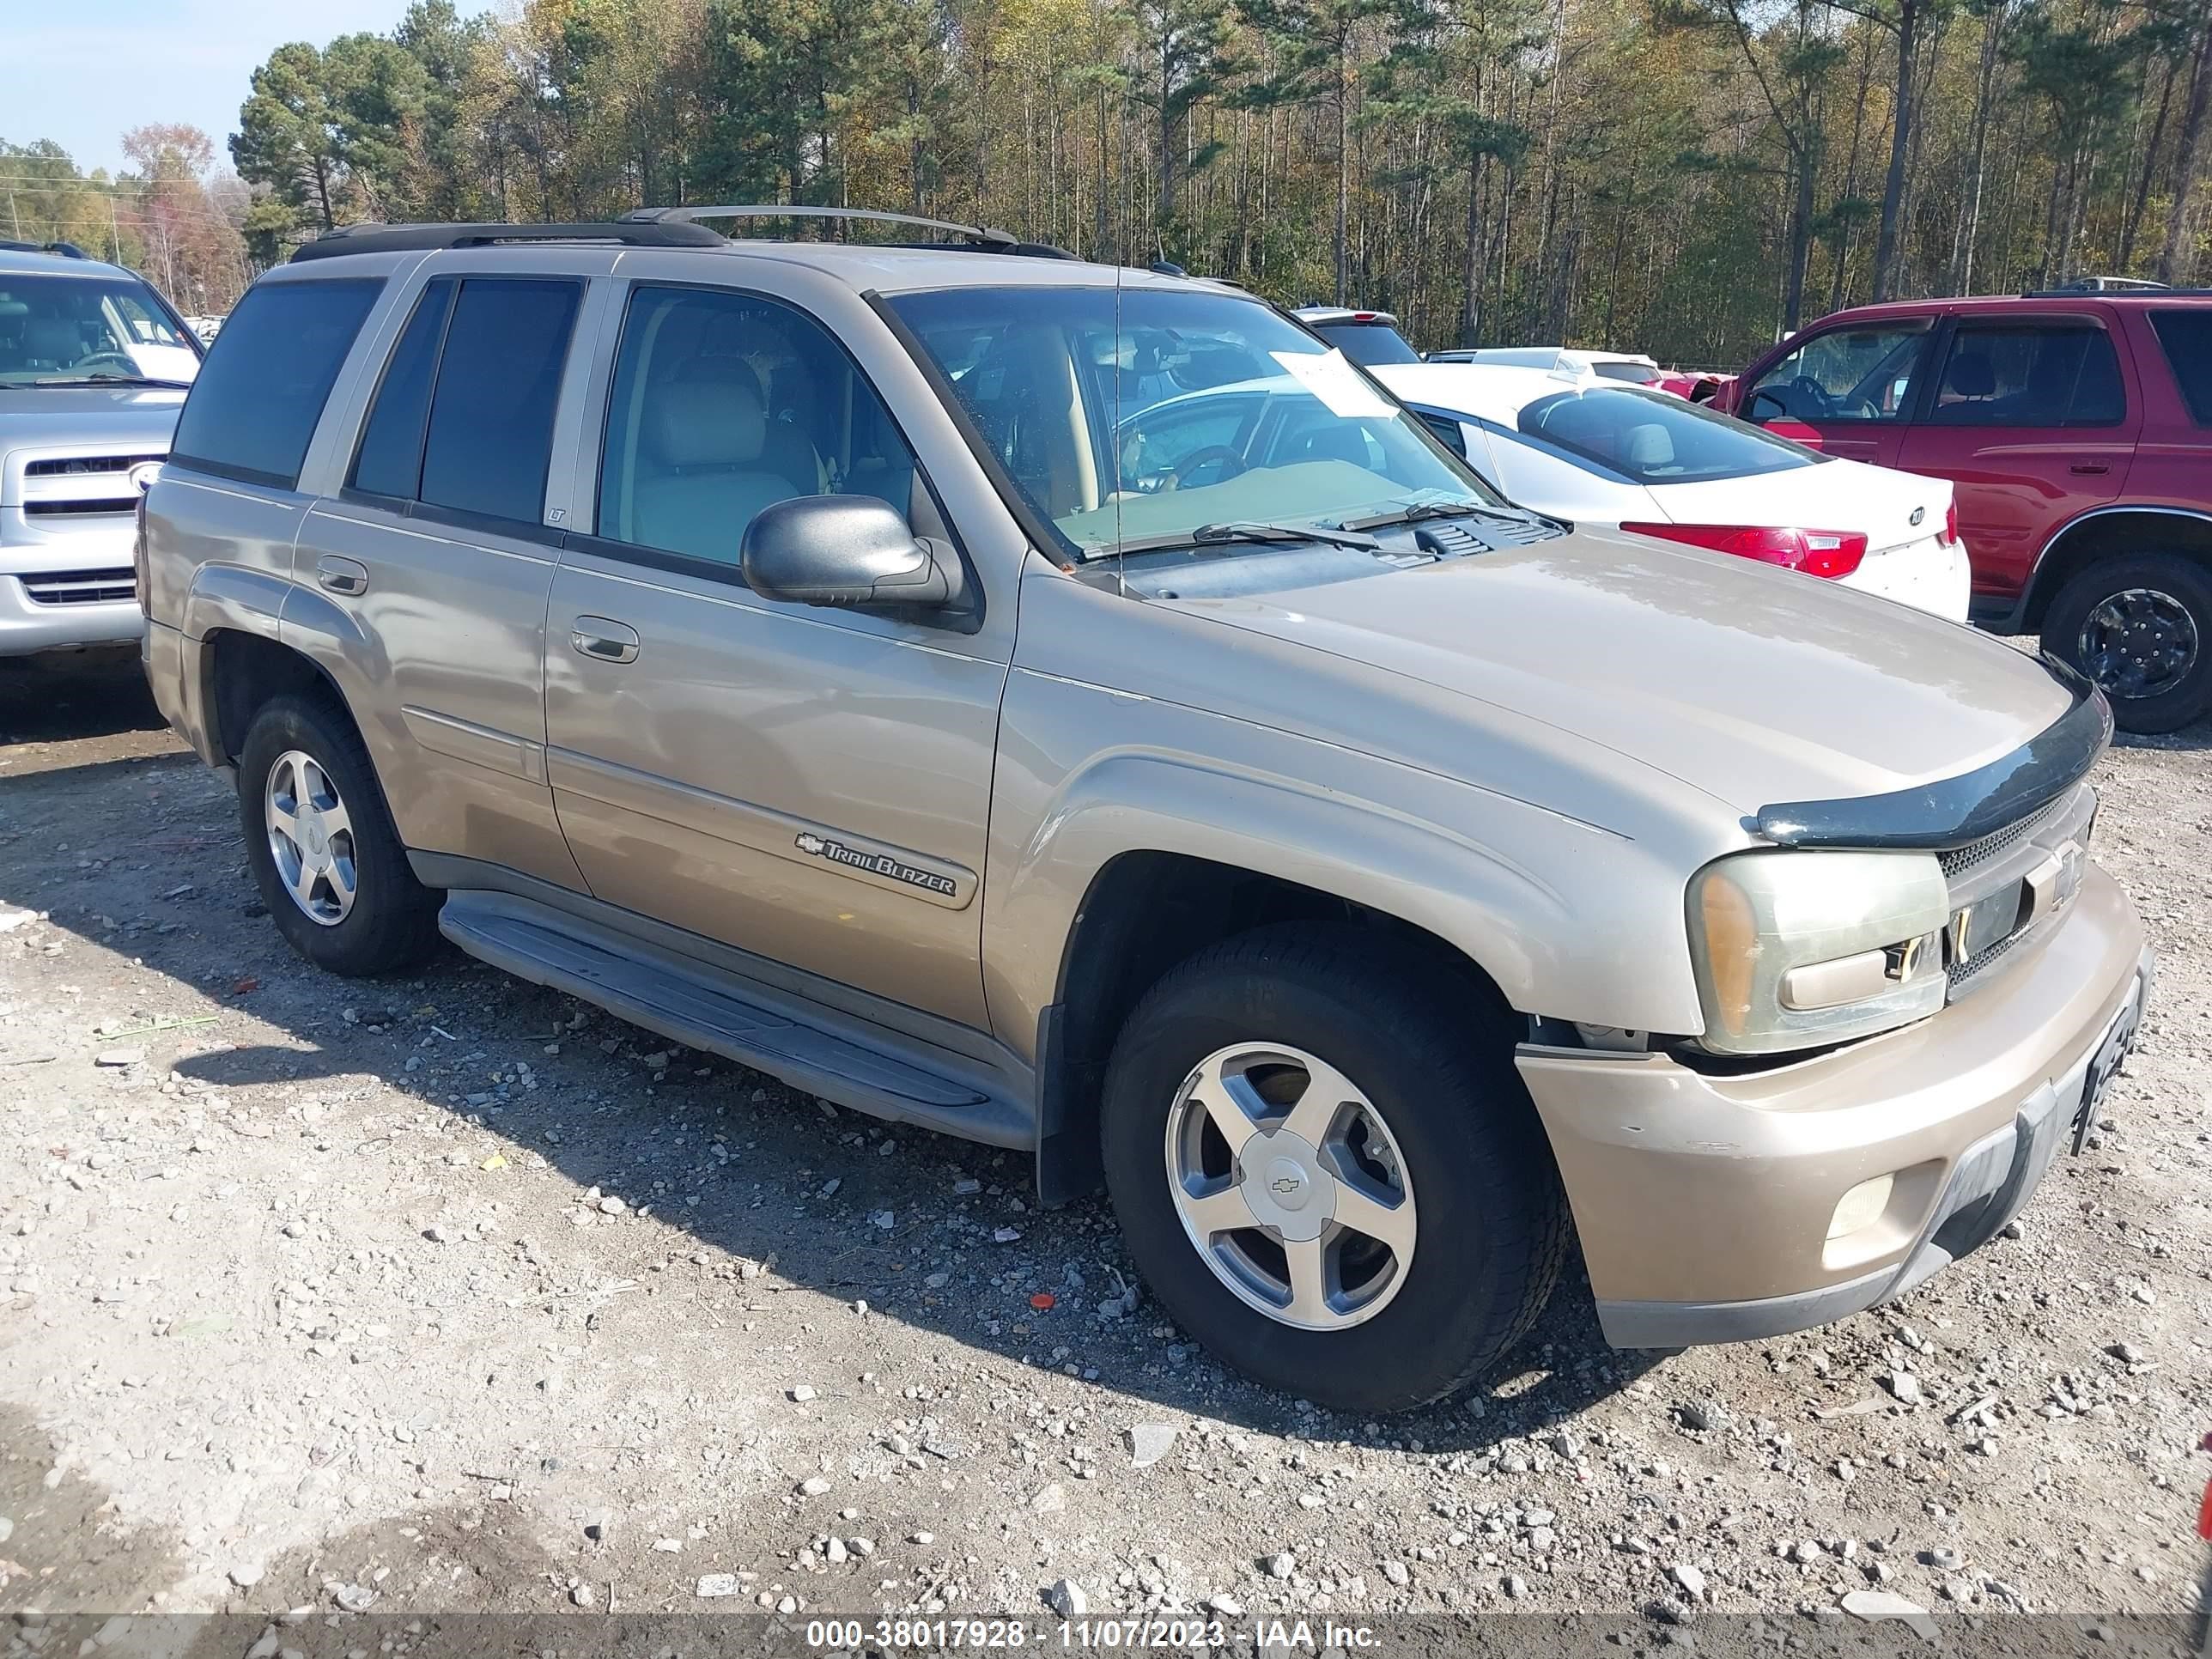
1569, 919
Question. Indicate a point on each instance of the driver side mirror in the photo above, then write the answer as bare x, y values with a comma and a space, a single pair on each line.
853, 551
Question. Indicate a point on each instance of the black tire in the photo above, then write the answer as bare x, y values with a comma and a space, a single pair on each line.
2178, 577
394, 921
1435, 1058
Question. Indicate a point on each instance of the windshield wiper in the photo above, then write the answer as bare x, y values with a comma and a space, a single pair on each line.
117, 380
1250, 531
1420, 510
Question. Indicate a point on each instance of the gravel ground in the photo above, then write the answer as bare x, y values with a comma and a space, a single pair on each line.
452, 1295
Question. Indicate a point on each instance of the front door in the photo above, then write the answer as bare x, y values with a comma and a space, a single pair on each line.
2031, 420
1848, 390
812, 786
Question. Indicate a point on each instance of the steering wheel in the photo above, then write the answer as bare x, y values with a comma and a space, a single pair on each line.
123, 363
1816, 400
1179, 474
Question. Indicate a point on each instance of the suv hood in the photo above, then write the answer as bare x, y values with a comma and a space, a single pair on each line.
1752, 684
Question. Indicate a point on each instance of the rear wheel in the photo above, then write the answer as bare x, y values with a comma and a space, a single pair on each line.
1328, 1169
2141, 627
330, 865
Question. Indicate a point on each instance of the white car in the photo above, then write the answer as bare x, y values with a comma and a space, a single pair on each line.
1630, 366
1593, 452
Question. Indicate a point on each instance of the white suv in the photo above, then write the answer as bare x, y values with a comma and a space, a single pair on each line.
94, 367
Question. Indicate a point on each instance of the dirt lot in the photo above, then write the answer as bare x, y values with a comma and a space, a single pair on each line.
453, 1295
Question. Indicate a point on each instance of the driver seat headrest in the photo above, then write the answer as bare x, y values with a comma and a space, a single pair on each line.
705, 423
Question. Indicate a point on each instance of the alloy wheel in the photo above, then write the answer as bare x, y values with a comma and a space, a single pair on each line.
1292, 1186
311, 838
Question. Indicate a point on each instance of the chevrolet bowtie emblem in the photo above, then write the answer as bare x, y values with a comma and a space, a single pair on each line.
1286, 1183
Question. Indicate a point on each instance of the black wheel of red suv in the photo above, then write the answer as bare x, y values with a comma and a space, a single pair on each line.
330, 865
1328, 1169
2141, 626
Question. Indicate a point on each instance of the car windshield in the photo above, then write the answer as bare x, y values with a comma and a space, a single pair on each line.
1651, 438
1368, 343
77, 330
1200, 412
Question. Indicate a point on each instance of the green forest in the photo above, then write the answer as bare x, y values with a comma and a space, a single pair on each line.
1684, 177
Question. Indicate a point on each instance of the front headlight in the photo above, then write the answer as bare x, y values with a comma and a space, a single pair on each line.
1797, 949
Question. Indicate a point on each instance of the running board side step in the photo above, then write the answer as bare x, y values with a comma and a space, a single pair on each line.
702, 1008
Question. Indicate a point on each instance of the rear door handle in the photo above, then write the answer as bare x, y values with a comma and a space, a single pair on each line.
603, 640
342, 575
2090, 469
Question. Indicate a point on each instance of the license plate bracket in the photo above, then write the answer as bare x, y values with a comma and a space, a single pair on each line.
2104, 1064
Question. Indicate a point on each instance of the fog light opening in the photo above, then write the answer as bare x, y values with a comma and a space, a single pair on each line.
1861, 1207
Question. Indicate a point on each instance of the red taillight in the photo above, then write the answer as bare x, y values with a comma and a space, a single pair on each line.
1362, 316
1951, 524
1828, 553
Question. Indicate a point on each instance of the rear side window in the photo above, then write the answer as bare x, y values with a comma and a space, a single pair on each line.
490, 434
2186, 336
257, 400
1446, 430
2035, 374
390, 460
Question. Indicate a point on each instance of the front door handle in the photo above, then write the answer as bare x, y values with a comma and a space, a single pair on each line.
342, 575
603, 640
2090, 469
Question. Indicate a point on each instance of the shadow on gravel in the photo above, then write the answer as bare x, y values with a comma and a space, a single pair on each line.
807, 1191
50, 699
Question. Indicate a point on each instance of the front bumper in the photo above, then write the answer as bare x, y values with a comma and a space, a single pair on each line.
28, 627
1703, 1202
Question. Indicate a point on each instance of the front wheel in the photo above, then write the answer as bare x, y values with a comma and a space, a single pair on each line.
330, 868
1326, 1168
2141, 627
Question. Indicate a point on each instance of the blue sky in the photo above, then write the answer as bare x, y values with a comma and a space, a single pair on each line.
82, 72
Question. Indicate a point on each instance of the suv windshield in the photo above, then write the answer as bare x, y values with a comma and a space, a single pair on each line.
1200, 412
75, 330
1656, 439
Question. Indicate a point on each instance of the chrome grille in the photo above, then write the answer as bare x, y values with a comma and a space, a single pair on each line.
70, 465
80, 586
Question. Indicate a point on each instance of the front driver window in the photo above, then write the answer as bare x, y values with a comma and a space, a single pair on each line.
1845, 374
725, 403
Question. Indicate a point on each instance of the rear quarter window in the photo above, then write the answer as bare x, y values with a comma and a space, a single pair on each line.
2186, 336
254, 407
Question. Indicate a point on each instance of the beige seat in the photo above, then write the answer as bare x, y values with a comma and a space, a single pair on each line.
700, 480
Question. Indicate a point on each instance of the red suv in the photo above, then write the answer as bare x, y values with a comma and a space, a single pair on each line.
2077, 428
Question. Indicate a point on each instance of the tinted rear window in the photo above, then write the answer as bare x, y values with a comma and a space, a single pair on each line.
1634, 373
2029, 373
1654, 438
2187, 338
254, 407
1368, 343
390, 460
491, 419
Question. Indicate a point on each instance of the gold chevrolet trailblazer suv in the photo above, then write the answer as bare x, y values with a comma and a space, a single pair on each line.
1078, 709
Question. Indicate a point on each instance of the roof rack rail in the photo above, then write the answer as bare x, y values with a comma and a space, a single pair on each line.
373, 238
66, 250
2101, 285
987, 239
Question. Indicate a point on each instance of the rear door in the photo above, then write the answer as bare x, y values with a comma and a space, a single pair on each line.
1847, 390
2033, 416
436, 557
